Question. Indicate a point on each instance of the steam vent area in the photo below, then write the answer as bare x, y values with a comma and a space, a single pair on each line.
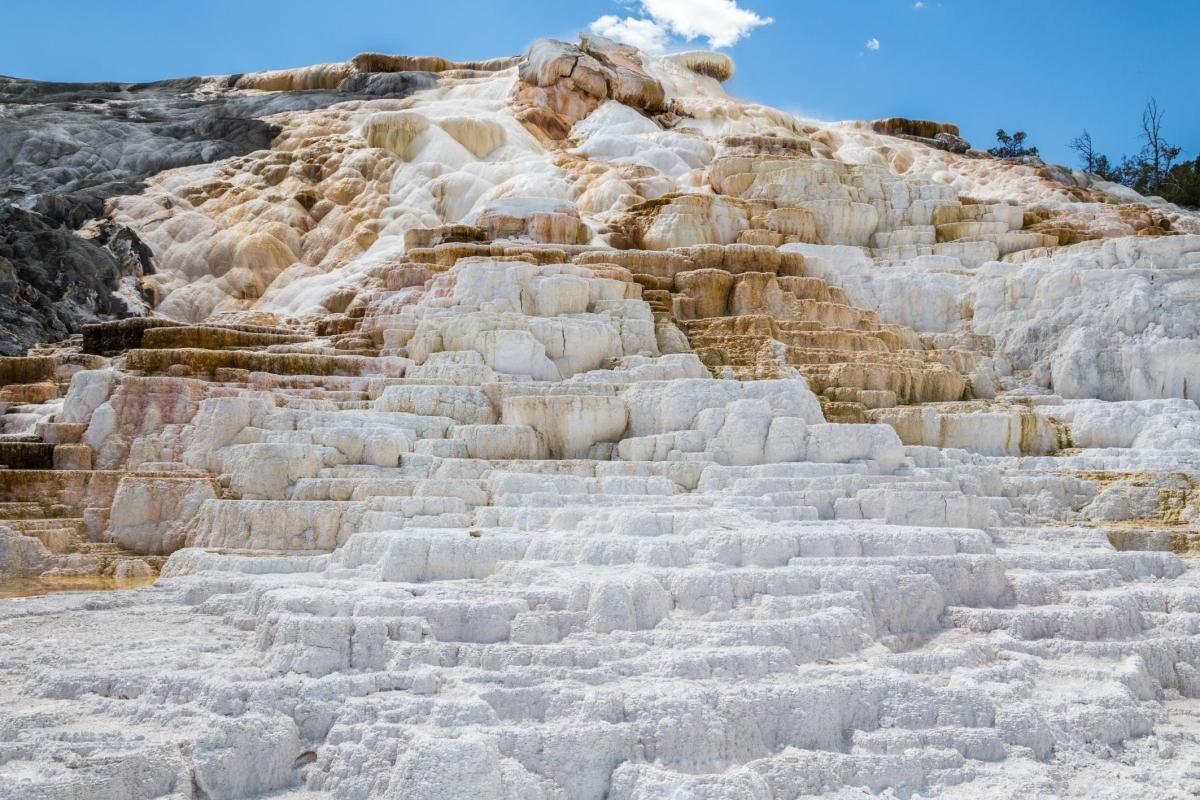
560, 427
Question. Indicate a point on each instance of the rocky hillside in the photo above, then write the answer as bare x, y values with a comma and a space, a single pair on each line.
66, 149
560, 426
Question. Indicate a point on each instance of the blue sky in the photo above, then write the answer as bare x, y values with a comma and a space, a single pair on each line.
1049, 67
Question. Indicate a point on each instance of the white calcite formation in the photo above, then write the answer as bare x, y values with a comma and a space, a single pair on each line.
570, 430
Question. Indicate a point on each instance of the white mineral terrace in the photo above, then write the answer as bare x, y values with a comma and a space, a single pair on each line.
570, 430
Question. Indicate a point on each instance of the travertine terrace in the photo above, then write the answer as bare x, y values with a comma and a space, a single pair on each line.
559, 427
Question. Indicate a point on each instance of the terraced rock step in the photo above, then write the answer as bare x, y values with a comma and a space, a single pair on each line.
571, 430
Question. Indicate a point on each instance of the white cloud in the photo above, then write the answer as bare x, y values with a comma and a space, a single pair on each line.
722, 22
644, 34
872, 44
918, 4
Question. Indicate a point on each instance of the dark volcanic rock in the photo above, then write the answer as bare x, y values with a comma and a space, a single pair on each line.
952, 143
53, 281
388, 84
66, 148
943, 141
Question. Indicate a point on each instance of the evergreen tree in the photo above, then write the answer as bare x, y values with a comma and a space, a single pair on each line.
1012, 146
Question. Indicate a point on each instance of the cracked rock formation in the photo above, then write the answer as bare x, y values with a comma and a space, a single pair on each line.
560, 427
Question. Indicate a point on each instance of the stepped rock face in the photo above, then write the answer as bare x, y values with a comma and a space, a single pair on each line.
561, 427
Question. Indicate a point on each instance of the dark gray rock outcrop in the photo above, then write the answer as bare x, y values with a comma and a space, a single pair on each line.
53, 280
388, 84
67, 148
